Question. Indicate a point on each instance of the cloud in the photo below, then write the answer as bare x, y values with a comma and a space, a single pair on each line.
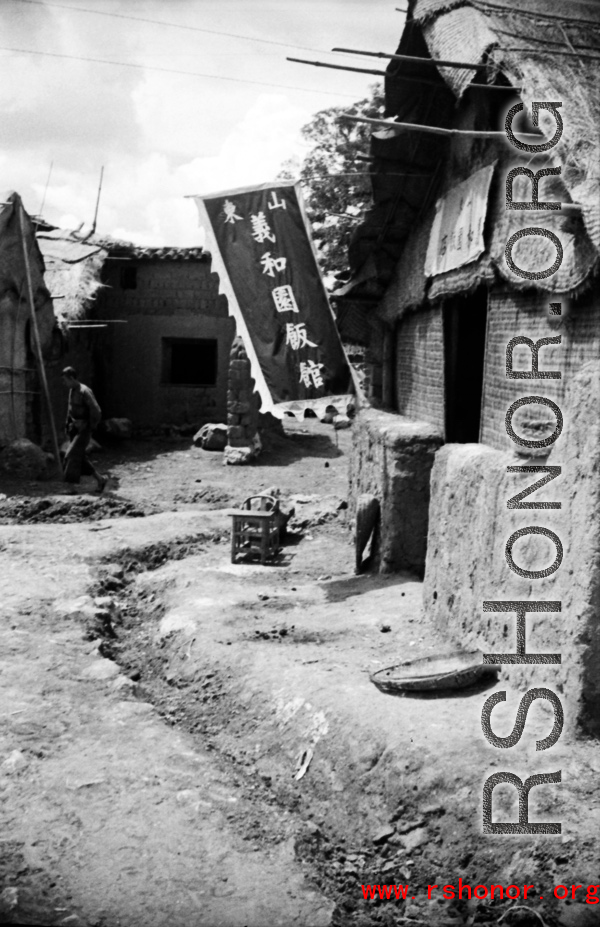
159, 135
152, 191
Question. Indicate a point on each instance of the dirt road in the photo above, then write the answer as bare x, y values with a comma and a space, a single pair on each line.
111, 815
188, 741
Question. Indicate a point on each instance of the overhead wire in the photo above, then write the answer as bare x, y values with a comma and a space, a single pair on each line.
143, 67
160, 22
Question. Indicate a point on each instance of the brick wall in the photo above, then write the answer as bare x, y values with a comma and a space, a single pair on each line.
162, 288
420, 367
171, 299
512, 314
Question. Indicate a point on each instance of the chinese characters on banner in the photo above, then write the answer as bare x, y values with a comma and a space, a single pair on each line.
456, 236
260, 241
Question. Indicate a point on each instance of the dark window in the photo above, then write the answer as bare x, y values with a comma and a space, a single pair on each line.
129, 278
465, 320
190, 361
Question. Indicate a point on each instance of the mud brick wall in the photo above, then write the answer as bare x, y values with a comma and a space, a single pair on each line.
511, 314
171, 299
242, 402
420, 367
392, 459
469, 525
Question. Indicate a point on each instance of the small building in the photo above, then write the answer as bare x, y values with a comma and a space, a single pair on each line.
166, 350
21, 403
144, 327
441, 309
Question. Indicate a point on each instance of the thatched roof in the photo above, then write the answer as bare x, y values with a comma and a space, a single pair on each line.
546, 51
74, 266
72, 273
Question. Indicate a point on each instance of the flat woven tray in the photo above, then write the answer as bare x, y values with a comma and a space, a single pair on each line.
455, 670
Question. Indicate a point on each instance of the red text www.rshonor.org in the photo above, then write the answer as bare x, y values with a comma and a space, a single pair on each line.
465, 891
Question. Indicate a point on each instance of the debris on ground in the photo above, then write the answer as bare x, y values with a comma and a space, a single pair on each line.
69, 509
211, 437
24, 459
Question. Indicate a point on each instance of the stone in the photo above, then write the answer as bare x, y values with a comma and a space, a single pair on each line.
101, 669
415, 838
14, 762
120, 428
238, 408
114, 569
123, 683
341, 421
383, 834
211, 437
405, 826
24, 459
242, 455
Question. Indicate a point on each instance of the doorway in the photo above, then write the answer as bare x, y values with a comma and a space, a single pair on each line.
465, 325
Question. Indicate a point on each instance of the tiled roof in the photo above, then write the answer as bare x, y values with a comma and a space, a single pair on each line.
141, 253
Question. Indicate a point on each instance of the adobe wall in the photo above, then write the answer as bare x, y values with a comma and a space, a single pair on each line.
172, 299
468, 528
420, 366
512, 313
391, 459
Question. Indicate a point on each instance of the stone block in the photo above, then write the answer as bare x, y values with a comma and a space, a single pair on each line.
211, 437
23, 459
238, 408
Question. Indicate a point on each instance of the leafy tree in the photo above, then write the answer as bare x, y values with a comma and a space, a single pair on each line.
336, 186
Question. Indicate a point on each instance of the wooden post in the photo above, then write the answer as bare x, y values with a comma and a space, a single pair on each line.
36, 338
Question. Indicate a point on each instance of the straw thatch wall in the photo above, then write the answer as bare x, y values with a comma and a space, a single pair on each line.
72, 275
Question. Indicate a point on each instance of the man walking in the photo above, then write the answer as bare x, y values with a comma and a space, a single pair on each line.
83, 416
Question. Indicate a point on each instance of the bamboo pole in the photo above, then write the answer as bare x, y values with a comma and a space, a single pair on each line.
337, 67
402, 77
434, 130
416, 59
36, 339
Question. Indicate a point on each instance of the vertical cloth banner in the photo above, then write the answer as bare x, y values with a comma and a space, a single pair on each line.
262, 251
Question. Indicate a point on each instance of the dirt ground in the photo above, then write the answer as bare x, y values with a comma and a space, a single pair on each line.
188, 741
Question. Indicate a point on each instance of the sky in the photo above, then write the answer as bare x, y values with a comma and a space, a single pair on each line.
230, 120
